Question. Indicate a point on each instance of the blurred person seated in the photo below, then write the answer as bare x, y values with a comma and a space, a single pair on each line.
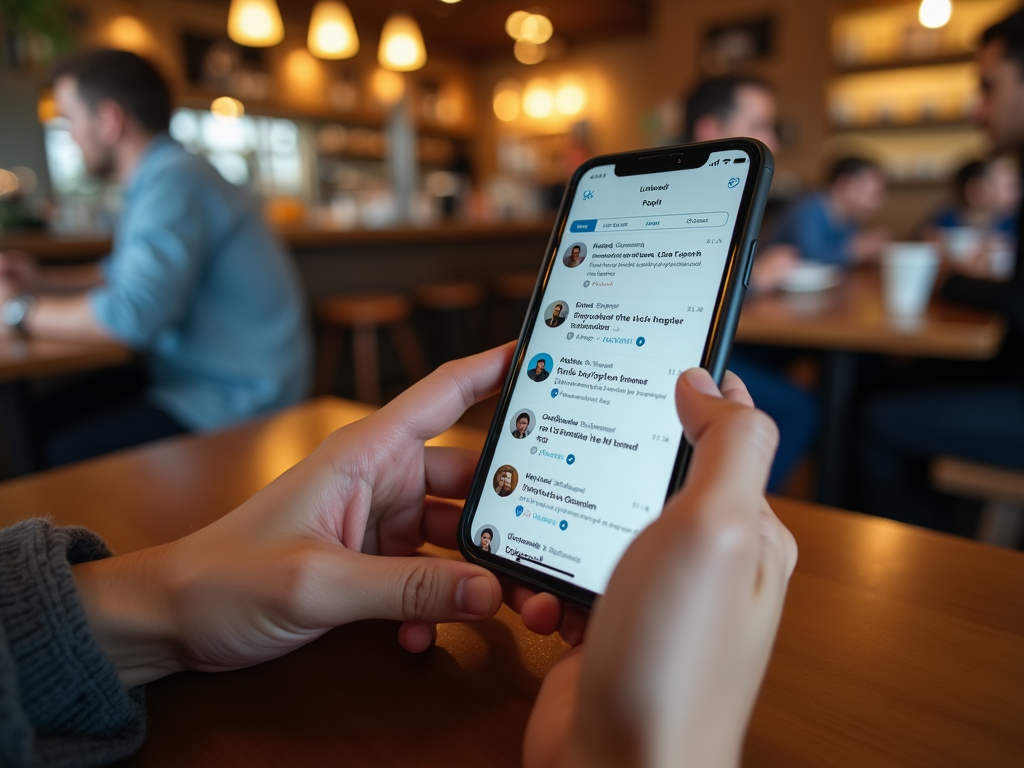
195, 280
980, 229
826, 226
725, 108
980, 420
334, 540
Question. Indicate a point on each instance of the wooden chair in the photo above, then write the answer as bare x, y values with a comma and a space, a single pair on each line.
1002, 490
451, 318
366, 315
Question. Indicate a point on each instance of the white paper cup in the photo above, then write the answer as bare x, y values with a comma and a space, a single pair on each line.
908, 275
962, 242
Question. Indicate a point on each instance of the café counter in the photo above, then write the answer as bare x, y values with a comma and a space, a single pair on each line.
340, 261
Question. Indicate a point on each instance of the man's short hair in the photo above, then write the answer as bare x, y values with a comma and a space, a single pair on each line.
130, 81
847, 167
716, 96
972, 171
486, 530
1009, 31
523, 415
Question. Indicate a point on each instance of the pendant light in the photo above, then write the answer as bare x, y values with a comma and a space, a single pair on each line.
255, 23
332, 35
401, 44
934, 14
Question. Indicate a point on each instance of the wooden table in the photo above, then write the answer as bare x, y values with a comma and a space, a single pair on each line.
898, 646
851, 319
24, 359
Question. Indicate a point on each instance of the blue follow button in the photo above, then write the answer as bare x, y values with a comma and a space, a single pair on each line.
583, 225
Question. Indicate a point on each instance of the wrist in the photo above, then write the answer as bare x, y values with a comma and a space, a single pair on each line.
127, 603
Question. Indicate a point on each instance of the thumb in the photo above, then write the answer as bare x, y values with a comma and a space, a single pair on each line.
424, 589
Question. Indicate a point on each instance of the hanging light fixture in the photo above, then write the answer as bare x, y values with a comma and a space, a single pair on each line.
401, 44
255, 23
934, 13
332, 35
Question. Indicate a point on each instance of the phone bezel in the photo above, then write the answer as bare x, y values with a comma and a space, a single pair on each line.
721, 331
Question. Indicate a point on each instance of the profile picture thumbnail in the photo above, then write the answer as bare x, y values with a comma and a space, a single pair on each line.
574, 255
487, 538
506, 478
522, 423
540, 367
556, 313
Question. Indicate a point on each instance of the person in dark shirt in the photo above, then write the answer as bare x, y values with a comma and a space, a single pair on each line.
981, 421
556, 318
537, 373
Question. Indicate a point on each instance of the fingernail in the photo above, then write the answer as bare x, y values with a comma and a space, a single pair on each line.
701, 381
474, 596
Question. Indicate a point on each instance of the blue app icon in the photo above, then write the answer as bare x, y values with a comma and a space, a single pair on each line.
733, 182
570, 459
554, 393
519, 510
588, 194
564, 524
640, 341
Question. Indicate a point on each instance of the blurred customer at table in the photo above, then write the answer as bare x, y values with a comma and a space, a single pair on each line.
981, 226
981, 421
827, 226
725, 108
195, 280
81, 632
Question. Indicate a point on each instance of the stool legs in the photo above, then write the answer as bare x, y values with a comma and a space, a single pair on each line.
366, 354
410, 355
327, 361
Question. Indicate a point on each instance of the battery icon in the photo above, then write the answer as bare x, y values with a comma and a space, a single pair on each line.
739, 160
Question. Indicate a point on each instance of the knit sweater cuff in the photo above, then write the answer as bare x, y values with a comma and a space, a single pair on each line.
61, 701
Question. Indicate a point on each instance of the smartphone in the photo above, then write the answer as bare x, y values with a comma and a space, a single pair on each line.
644, 277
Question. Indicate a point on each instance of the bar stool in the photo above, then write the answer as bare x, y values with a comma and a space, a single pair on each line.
451, 318
512, 293
366, 315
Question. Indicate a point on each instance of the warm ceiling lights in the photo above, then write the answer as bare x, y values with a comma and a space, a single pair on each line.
507, 98
538, 100
332, 35
401, 44
227, 107
571, 96
935, 13
530, 31
255, 23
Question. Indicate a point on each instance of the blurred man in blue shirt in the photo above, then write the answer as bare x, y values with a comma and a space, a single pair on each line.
826, 226
195, 280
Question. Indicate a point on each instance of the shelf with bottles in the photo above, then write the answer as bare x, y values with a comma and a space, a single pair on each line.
892, 36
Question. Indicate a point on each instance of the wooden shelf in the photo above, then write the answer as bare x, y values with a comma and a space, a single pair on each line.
946, 125
909, 63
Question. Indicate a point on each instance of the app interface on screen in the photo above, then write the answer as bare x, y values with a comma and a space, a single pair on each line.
585, 457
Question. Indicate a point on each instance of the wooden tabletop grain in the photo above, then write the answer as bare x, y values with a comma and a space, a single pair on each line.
897, 647
22, 359
852, 317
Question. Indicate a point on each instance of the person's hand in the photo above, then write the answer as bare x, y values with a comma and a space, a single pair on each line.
678, 645
772, 266
20, 272
329, 542
868, 246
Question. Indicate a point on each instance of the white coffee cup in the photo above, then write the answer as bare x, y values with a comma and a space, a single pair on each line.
962, 242
908, 275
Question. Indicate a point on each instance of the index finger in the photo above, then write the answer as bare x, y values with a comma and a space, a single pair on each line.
432, 405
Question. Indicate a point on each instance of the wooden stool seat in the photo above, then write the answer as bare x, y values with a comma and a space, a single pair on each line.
1002, 490
517, 286
366, 314
449, 296
364, 309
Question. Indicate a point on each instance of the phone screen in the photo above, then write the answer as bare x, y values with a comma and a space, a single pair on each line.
590, 437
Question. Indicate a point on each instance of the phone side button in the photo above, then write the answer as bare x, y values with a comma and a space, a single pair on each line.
750, 264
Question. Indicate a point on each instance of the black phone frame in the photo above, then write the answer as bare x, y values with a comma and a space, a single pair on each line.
714, 357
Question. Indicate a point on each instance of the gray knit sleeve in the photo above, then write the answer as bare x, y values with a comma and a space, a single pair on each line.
61, 701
